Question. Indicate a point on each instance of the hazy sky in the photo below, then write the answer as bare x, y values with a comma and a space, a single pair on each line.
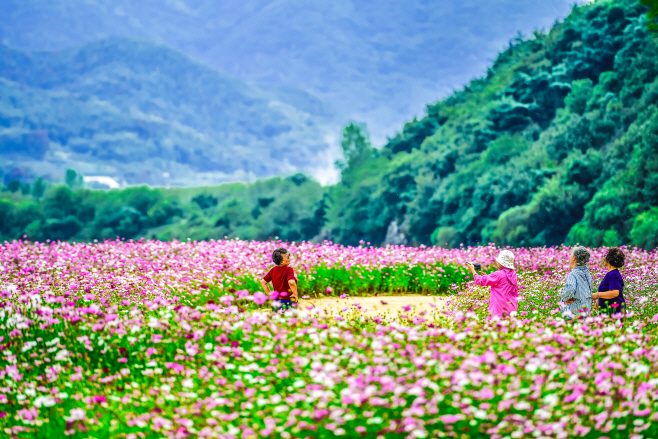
375, 61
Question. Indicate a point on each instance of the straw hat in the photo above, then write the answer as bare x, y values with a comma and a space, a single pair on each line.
506, 259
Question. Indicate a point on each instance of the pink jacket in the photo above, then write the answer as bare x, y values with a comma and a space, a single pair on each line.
504, 291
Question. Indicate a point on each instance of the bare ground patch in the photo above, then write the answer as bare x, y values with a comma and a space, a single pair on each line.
381, 305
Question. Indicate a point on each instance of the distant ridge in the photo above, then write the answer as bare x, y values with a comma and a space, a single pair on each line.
374, 61
137, 111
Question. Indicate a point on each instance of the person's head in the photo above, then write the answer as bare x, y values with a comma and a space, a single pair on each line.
579, 256
615, 257
281, 256
505, 259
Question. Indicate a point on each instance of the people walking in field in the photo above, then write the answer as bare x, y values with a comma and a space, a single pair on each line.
577, 292
283, 281
611, 291
504, 296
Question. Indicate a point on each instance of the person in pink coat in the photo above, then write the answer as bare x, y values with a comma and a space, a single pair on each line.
504, 285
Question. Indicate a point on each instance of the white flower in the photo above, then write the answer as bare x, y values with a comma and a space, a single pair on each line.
551, 399
77, 415
189, 383
28, 345
46, 401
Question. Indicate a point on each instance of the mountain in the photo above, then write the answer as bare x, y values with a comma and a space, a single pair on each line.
140, 112
556, 143
375, 61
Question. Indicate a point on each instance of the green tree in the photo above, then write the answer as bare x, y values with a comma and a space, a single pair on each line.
38, 188
652, 14
645, 229
73, 179
14, 186
356, 147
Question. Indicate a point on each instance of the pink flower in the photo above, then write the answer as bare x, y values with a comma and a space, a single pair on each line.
643, 412
191, 349
28, 414
450, 419
259, 298
178, 368
122, 360
150, 351
486, 393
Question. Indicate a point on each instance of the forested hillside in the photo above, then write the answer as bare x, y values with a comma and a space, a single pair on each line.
265, 209
140, 112
558, 143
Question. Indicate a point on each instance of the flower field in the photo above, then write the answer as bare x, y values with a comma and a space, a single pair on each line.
157, 339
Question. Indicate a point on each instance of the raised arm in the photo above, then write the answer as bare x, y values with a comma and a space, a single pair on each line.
487, 280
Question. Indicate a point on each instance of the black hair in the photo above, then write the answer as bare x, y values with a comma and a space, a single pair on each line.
277, 257
615, 257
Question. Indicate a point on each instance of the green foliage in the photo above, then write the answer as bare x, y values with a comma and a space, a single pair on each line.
652, 14
291, 208
73, 179
14, 186
357, 150
555, 145
364, 281
645, 229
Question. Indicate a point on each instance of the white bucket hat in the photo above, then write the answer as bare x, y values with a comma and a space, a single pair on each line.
506, 259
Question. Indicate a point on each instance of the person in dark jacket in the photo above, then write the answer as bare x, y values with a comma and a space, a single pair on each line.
611, 291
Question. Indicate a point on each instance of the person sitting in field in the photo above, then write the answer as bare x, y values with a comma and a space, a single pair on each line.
504, 297
283, 280
577, 291
611, 290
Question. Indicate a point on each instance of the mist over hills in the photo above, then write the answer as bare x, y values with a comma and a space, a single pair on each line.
375, 61
141, 112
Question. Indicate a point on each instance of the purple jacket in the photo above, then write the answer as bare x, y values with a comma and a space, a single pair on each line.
504, 291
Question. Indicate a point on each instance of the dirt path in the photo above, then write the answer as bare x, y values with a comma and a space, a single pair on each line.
380, 305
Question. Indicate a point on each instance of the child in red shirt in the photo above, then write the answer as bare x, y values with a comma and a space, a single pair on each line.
283, 280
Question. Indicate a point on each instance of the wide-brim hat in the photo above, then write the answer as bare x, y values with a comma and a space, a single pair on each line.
506, 259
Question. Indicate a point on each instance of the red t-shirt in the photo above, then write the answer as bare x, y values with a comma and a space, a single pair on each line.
279, 276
